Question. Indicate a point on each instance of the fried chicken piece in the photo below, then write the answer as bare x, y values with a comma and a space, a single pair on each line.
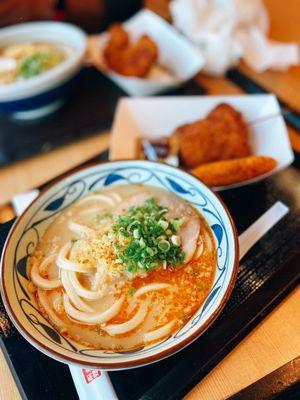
129, 59
222, 135
118, 37
118, 42
227, 172
138, 59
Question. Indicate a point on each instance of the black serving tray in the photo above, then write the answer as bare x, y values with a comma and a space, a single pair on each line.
88, 110
266, 275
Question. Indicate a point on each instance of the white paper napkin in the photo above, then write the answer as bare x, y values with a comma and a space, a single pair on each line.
227, 30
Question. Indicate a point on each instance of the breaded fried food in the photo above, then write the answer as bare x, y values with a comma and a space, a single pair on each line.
138, 59
227, 172
118, 37
222, 135
235, 126
199, 142
118, 41
129, 59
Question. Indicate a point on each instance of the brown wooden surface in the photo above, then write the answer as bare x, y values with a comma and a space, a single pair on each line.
277, 339
273, 343
34, 171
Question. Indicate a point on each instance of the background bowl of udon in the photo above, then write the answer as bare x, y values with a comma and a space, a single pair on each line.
42, 94
27, 230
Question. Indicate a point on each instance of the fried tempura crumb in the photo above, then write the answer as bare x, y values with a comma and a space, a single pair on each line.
227, 172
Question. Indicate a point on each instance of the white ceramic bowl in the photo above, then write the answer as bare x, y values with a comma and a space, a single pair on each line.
36, 94
27, 230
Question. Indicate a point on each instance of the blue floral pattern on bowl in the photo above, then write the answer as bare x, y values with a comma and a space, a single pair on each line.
27, 232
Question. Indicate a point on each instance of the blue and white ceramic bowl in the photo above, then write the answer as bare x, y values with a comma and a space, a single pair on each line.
27, 230
42, 94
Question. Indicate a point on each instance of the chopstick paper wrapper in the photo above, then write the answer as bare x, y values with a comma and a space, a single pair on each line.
261, 226
92, 384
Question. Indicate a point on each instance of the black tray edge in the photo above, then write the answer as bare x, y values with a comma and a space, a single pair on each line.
290, 274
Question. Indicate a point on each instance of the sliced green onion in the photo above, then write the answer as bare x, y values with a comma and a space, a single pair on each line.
131, 291
177, 223
149, 251
131, 267
161, 237
169, 232
163, 211
164, 245
136, 234
154, 250
176, 240
129, 227
163, 224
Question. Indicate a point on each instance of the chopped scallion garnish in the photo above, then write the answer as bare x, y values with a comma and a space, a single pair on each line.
177, 223
145, 238
176, 240
164, 245
164, 224
131, 291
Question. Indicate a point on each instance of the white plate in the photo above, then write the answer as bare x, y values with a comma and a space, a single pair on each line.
176, 53
156, 117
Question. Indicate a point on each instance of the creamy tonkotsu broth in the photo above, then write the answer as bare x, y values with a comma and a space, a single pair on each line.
123, 267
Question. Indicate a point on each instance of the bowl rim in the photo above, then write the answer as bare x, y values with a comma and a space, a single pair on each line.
121, 364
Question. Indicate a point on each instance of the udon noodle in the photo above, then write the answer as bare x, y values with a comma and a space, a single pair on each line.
123, 267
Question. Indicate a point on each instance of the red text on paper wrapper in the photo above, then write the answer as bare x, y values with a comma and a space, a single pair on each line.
90, 374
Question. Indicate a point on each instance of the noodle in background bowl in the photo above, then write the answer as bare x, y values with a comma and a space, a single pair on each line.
27, 230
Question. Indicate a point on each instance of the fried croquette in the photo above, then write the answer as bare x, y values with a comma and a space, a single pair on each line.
227, 172
222, 135
129, 59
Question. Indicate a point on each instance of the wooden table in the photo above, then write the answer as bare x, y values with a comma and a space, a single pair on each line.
274, 341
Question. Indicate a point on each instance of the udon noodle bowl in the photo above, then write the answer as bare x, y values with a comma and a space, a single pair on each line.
123, 267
